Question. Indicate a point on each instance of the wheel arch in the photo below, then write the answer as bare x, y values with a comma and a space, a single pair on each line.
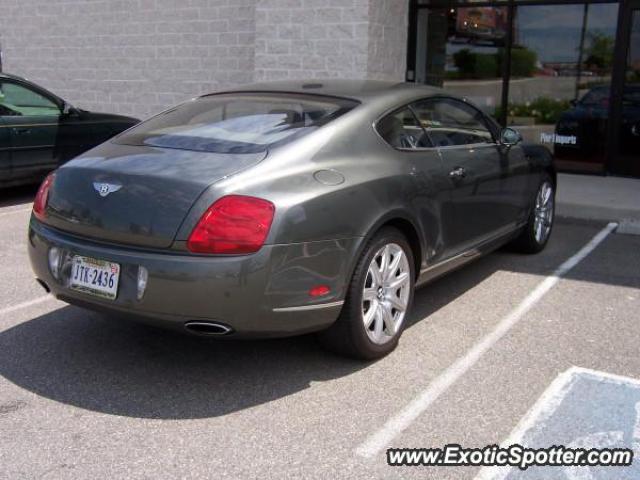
407, 226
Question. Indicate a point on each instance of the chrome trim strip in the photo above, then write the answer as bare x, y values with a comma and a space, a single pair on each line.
30, 125
56, 124
444, 262
502, 232
468, 146
304, 308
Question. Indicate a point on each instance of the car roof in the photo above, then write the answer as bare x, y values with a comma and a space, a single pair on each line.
361, 90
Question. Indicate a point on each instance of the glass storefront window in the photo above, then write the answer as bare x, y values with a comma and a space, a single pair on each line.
559, 85
629, 125
554, 70
462, 50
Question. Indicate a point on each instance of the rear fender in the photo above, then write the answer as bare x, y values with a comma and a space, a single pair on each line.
390, 218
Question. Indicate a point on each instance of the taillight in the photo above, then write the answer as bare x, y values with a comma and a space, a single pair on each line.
234, 224
40, 203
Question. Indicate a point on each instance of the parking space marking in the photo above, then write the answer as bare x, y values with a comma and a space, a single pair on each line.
577, 402
11, 212
403, 419
30, 303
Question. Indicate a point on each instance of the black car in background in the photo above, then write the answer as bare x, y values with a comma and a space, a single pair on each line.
39, 131
581, 130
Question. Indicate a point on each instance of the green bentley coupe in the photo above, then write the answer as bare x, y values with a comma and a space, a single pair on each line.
39, 131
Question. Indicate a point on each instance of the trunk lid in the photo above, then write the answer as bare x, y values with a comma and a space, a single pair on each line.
135, 195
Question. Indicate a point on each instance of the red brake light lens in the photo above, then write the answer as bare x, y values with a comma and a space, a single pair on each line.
234, 224
40, 203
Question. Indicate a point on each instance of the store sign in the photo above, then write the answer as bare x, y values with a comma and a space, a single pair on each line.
558, 139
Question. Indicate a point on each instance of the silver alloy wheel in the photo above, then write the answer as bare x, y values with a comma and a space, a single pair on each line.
543, 212
386, 293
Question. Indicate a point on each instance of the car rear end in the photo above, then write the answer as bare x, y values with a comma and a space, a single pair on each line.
138, 227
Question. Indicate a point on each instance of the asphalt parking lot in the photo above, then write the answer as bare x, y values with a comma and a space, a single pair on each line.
87, 396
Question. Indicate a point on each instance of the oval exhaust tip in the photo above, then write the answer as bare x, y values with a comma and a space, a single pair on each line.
208, 328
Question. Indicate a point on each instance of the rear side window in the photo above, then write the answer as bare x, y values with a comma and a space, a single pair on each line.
237, 123
401, 129
450, 122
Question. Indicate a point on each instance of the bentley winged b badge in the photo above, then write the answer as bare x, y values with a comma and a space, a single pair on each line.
105, 189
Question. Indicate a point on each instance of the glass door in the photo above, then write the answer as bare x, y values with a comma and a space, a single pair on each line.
560, 80
625, 131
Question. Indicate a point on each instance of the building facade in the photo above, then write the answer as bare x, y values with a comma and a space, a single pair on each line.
139, 56
566, 73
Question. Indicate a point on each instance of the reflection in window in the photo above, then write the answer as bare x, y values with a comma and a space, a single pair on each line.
401, 130
237, 123
629, 128
450, 122
18, 100
462, 50
561, 64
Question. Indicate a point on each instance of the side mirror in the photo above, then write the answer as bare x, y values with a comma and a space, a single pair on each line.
573, 102
509, 136
68, 109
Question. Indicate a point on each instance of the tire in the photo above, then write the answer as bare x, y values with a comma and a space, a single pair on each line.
348, 335
531, 240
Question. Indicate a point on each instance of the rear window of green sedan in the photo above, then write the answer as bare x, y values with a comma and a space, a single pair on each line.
237, 123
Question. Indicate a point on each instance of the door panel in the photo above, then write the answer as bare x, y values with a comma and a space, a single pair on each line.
32, 127
485, 196
33, 140
478, 204
77, 133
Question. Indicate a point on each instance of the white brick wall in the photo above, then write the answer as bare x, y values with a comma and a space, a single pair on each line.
139, 56
311, 39
129, 56
331, 38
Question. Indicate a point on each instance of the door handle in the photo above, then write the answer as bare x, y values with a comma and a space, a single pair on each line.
21, 131
457, 173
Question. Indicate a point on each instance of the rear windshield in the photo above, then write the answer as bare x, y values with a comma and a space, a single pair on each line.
237, 123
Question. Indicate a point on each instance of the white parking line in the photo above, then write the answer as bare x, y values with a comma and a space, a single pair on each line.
403, 419
11, 212
30, 303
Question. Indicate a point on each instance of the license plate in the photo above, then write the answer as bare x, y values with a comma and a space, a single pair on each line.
95, 277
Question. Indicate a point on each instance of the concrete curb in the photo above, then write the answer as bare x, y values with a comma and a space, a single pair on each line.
600, 199
596, 213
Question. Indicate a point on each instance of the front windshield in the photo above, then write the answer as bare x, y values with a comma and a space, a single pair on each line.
237, 123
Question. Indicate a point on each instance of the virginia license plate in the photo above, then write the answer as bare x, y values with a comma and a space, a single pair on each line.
95, 277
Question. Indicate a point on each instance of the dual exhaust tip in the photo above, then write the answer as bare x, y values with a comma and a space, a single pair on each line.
208, 328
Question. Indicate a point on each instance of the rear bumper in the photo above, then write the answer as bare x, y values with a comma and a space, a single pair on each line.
259, 295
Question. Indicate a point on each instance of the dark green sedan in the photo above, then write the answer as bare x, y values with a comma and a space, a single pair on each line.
39, 131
